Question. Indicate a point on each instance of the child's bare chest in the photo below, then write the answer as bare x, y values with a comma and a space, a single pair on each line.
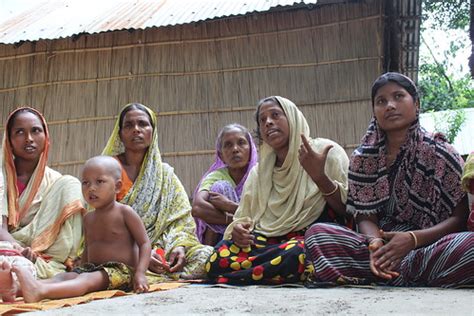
108, 230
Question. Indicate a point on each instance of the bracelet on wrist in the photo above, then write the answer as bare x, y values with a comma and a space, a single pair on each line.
415, 239
333, 191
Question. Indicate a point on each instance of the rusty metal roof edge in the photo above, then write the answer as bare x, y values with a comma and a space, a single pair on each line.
296, 4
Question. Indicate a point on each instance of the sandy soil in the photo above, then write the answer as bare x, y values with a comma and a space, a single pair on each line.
208, 300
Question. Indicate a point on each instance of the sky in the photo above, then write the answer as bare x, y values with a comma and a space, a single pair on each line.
439, 42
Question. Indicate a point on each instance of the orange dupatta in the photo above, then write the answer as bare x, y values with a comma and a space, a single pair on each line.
15, 214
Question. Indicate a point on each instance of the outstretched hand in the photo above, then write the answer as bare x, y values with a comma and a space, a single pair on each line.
312, 161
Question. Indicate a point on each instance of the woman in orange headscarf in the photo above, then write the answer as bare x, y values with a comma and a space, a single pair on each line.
40, 209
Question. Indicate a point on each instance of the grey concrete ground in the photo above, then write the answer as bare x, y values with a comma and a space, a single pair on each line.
205, 300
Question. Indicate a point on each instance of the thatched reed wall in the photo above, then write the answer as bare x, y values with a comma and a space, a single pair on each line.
200, 77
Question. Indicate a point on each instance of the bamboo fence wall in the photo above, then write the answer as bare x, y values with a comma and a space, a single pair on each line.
199, 77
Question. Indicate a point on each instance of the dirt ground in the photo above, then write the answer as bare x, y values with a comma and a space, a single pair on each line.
252, 300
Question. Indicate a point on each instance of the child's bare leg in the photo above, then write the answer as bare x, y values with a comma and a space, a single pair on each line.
64, 276
35, 291
8, 287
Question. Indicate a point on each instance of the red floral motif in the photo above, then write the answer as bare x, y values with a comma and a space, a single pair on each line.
382, 188
258, 270
242, 254
223, 263
366, 194
440, 167
300, 268
222, 280
223, 247
370, 165
283, 246
356, 163
451, 179
417, 182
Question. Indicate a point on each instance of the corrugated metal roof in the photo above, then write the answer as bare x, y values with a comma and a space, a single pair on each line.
34, 20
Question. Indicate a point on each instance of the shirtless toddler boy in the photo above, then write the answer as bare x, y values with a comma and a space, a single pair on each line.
117, 248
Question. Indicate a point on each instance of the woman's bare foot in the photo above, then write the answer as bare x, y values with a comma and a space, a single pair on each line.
30, 287
7, 284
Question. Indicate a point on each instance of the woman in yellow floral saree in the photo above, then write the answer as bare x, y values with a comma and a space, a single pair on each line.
153, 190
40, 209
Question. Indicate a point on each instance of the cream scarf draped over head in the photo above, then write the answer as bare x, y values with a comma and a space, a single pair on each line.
280, 200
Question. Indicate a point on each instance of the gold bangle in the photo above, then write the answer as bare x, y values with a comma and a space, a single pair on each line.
332, 192
415, 239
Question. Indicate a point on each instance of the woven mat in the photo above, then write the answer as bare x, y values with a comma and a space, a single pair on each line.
20, 307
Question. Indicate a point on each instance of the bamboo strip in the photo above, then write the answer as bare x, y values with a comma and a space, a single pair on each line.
193, 73
169, 154
52, 53
210, 110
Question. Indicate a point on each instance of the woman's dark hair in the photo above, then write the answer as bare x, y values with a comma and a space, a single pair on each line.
257, 114
11, 121
134, 106
402, 80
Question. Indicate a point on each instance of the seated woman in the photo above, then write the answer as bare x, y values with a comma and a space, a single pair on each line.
40, 208
218, 193
468, 186
405, 191
285, 193
153, 190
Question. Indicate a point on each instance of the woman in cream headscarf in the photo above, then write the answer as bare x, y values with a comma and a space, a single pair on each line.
284, 194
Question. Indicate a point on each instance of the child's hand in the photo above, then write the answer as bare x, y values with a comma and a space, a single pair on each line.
140, 283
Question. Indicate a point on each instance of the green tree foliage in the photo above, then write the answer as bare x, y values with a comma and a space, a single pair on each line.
447, 14
439, 89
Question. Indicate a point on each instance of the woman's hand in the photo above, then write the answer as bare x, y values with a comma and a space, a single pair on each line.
156, 264
242, 236
177, 259
312, 161
374, 246
29, 254
222, 203
389, 256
